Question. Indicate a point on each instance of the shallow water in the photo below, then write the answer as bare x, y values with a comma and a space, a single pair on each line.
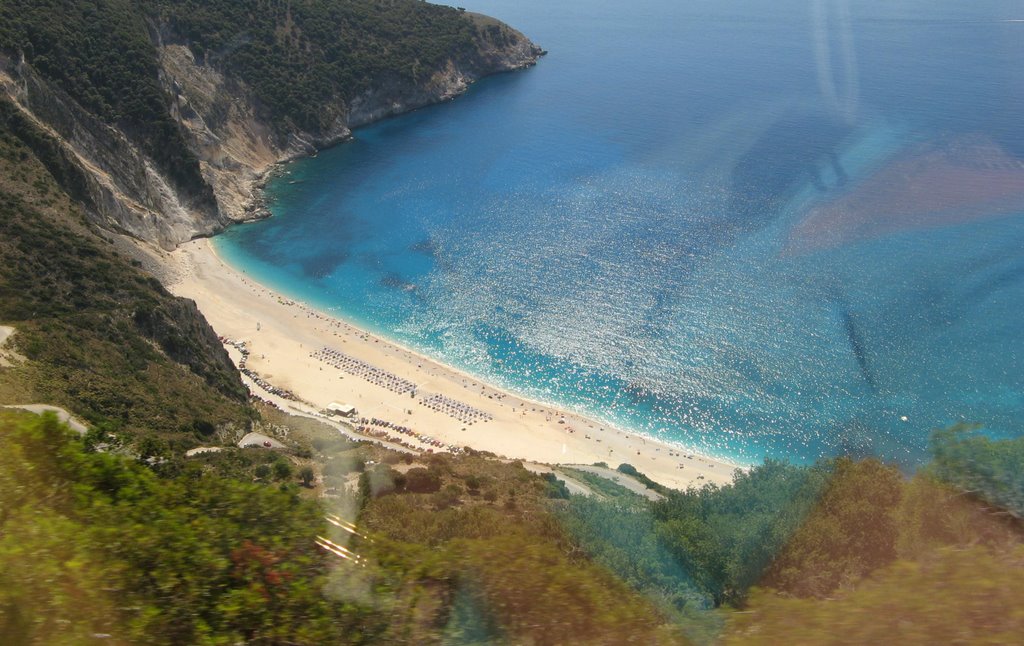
673, 222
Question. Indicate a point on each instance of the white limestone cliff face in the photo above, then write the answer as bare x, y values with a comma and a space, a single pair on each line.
125, 192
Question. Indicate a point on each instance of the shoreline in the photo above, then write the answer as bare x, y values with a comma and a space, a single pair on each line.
282, 334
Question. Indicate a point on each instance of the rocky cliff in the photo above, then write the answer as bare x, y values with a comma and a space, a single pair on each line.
221, 119
125, 192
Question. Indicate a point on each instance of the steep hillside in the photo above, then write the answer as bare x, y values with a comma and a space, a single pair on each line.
173, 110
93, 332
95, 547
155, 119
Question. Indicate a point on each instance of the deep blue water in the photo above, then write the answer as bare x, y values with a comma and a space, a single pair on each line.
613, 229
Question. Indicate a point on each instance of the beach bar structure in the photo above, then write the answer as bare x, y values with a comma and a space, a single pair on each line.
345, 410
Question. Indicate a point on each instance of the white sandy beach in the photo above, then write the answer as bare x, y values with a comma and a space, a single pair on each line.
281, 335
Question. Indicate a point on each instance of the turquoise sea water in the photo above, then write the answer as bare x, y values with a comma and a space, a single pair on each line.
634, 227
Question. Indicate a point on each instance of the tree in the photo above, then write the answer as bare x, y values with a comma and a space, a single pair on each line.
421, 480
306, 475
850, 532
725, 537
282, 469
555, 488
991, 469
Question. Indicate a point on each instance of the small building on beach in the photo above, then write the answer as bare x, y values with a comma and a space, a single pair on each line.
345, 410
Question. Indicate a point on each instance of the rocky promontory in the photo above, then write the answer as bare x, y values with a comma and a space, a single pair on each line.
228, 126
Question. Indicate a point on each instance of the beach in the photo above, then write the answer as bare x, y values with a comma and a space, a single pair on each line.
317, 359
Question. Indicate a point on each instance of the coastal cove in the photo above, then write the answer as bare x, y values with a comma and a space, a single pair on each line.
666, 322
282, 336
704, 266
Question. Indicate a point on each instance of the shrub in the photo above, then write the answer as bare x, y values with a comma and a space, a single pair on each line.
421, 480
282, 469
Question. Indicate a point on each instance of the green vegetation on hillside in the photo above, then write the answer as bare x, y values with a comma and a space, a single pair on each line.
479, 556
886, 560
299, 57
101, 337
100, 54
483, 539
95, 544
957, 596
726, 536
990, 469
222, 548
472, 550
856, 531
